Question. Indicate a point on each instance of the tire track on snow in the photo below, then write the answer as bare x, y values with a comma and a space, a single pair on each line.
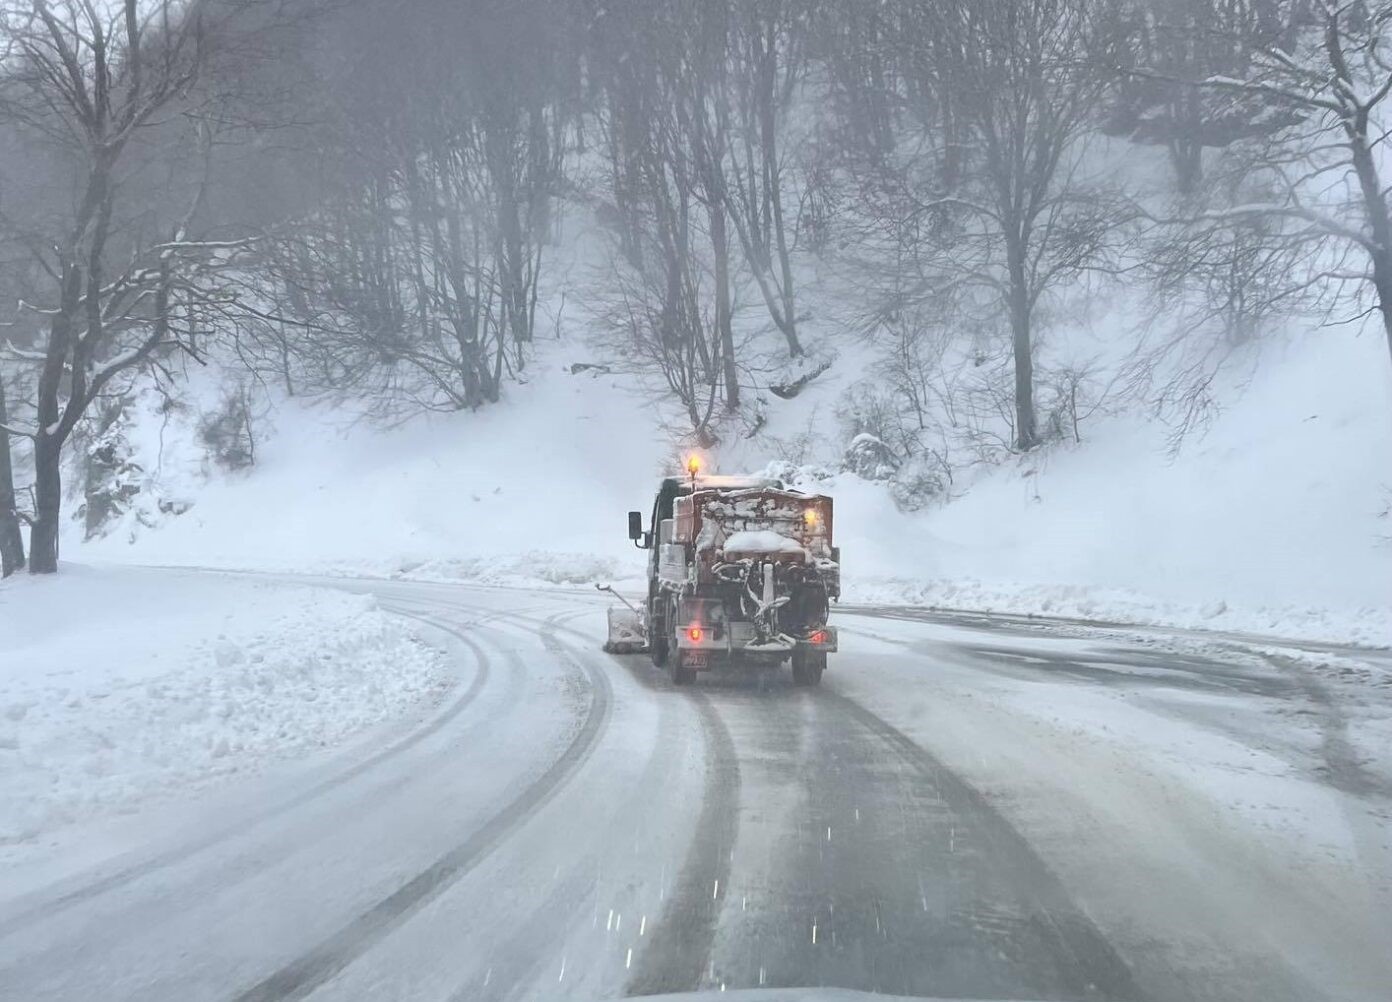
312, 969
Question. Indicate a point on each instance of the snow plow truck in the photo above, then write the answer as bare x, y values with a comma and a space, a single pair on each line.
742, 572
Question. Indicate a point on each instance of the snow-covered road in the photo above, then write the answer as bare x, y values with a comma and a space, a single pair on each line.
966, 808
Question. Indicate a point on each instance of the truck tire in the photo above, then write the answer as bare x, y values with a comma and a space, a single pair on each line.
659, 639
808, 667
681, 674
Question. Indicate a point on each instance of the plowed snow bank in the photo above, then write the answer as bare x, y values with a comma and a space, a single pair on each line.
117, 686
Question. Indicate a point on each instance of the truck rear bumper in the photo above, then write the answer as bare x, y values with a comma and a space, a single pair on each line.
738, 639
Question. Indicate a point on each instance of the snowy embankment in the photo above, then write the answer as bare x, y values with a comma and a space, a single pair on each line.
121, 686
1272, 521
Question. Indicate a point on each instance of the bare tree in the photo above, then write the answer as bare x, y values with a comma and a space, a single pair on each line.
1317, 185
767, 56
855, 47
667, 138
11, 539
411, 278
95, 86
1174, 40
708, 118
999, 200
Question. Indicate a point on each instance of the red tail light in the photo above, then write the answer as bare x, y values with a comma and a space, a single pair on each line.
819, 637
695, 633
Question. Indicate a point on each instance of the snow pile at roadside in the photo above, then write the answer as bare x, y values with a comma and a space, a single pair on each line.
120, 686
1371, 626
531, 569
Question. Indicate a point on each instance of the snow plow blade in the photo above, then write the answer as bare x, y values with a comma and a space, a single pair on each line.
625, 632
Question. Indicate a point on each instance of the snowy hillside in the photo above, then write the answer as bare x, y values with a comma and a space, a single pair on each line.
1273, 521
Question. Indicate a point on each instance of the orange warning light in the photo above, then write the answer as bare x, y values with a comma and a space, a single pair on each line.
810, 517
695, 633
693, 465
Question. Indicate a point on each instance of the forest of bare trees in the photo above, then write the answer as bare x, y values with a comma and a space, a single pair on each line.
365, 200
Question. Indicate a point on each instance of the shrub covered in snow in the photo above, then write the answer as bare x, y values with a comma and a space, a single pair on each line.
112, 482
227, 430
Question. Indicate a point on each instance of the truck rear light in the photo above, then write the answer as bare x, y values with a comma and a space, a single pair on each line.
695, 633
818, 637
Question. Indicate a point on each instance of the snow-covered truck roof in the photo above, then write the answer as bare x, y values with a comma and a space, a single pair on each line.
730, 482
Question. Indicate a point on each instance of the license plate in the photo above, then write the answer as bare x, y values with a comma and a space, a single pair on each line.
695, 659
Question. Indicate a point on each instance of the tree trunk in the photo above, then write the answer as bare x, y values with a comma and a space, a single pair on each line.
1026, 430
773, 296
768, 136
510, 264
48, 503
1382, 281
48, 443
722, 306
1187, 160
1186, 152
1375, 205
879, 127
11, 539
789, 303
780, 237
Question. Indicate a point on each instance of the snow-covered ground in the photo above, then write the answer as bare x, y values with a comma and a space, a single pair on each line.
1218, 815
120, 687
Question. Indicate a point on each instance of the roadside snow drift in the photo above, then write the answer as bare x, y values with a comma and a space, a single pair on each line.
119, 685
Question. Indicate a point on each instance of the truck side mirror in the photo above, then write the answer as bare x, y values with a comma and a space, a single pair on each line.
635, 525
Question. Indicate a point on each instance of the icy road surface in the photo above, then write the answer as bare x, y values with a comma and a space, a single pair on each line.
967, 808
